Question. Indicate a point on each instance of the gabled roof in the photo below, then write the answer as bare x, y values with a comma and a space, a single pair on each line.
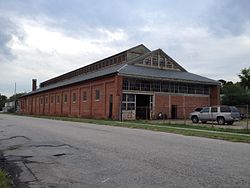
131, 68
152, 53
135, 71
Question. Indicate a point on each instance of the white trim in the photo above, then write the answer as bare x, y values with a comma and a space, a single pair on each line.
122, 67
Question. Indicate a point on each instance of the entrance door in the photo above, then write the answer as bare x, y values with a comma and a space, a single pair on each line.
174, 111
142, 106
110, 106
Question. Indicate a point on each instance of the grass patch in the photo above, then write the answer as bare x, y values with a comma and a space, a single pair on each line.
198, 126
234, 135
4, 180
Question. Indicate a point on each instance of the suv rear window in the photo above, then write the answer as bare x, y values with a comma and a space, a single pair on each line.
225, 109
233, 109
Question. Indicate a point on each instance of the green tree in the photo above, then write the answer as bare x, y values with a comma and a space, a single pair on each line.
15, 96
234, 94
3, 100
245, 78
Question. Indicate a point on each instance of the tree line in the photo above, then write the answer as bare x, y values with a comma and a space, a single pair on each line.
4, 99
236, 93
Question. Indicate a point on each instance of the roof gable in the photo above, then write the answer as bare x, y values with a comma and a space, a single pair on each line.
136, 51
157, 59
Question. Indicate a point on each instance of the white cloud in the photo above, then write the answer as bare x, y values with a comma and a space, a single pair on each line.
200, 51
47, 52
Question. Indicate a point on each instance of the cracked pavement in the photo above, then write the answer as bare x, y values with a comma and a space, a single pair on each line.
49, 153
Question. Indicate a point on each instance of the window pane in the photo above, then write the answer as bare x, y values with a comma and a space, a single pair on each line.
155, 61
125, 85
155, 86
165, 87
169, 65
134, 84
205, 110
145, 85
147, 61
214, 109
162, 62
131, 97
131, 106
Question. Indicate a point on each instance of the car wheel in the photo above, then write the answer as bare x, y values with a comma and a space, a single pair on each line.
221, 120
195, 119
230, 122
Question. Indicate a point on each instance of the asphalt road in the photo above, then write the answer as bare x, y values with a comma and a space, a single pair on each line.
50, 153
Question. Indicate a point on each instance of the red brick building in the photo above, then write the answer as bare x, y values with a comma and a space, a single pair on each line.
134, 84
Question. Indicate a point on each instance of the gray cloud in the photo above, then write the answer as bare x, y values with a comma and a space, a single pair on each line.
7, 31
227, 17
5, 37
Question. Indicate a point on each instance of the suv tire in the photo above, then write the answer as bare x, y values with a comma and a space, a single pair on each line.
195, 119
221, 120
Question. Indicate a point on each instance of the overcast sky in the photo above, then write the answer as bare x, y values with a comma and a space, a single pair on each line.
45, 38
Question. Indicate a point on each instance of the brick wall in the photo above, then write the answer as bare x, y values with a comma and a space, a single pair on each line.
54, 102
215, 95
68, 101
184, 103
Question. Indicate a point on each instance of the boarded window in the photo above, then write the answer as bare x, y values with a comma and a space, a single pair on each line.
58, 98
74, 97
84, 96
97, 94
65, 98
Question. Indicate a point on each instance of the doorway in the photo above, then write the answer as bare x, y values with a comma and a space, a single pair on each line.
110, 106
174, 112
142, 106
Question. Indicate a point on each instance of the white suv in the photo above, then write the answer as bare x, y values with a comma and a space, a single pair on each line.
221, 114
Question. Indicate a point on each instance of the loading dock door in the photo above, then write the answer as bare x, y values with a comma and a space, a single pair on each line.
142, 106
